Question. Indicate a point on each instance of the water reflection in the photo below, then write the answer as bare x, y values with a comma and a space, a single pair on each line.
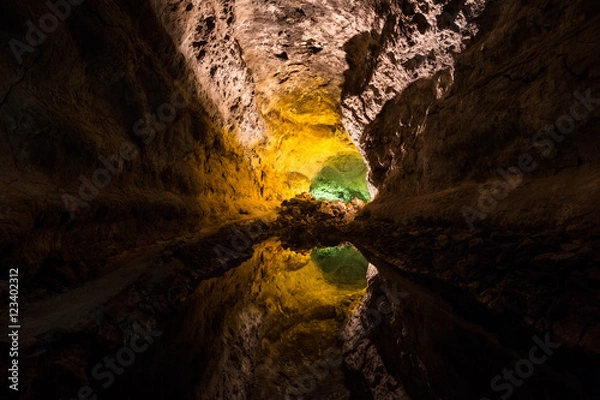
342, 265
265, 321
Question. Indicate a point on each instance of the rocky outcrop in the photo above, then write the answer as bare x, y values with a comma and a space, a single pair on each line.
514, 122
409, 40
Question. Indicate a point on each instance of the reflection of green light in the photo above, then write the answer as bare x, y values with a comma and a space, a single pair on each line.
342, 265
343, 178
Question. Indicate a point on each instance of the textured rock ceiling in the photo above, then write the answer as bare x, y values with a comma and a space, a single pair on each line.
271, 73
287, 78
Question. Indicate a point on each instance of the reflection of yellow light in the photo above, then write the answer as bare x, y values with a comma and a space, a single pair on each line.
296, 311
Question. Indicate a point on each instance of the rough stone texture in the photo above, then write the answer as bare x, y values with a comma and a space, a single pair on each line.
77, 98
444, 139
530, 258
409, 40
206, 33
273, 73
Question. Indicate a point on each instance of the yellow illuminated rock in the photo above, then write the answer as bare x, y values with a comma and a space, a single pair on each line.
305, 132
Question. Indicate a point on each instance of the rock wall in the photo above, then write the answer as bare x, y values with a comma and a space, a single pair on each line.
104, 143
487, 171
409, 40
205, 32
522, 95
131, 124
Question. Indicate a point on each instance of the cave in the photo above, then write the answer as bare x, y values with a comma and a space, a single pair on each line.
300, 200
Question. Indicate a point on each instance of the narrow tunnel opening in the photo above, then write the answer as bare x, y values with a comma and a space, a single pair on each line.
308, 149
344, 177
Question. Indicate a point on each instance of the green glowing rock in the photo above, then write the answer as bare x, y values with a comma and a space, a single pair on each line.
342, 265
344, 177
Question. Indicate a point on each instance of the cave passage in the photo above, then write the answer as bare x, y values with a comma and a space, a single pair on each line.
267, 322
344, 177
308, 148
